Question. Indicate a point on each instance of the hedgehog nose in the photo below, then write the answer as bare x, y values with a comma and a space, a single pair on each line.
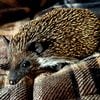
12, 82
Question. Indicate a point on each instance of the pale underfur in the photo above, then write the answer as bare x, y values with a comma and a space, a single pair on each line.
52, 61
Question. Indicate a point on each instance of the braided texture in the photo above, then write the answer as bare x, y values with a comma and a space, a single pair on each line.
76, 82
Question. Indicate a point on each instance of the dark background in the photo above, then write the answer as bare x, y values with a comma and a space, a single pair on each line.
13, 10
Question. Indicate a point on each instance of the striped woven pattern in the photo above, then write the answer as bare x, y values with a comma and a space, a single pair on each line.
75, 82
17, 92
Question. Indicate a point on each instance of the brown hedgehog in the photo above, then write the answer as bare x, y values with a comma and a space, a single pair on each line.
49, 39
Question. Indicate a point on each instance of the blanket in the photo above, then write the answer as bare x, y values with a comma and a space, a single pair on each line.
79, 81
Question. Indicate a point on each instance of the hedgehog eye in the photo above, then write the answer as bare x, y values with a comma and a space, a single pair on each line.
25, 64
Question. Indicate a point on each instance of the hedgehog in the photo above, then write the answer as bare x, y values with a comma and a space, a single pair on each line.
57, 37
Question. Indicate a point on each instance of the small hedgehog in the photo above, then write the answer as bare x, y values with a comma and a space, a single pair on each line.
52, 39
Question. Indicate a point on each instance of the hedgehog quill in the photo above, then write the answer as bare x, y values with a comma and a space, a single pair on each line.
53, 39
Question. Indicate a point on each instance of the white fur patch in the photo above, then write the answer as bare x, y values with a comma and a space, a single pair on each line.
51, 61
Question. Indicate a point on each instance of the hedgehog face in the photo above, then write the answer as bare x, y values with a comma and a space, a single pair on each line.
21, 62
21, 70
20, 66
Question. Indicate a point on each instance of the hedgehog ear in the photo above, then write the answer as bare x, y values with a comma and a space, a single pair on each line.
5, 66
38, 47
5, 40
35, 47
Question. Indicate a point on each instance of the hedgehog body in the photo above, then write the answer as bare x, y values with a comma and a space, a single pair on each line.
67, 32
59, 33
